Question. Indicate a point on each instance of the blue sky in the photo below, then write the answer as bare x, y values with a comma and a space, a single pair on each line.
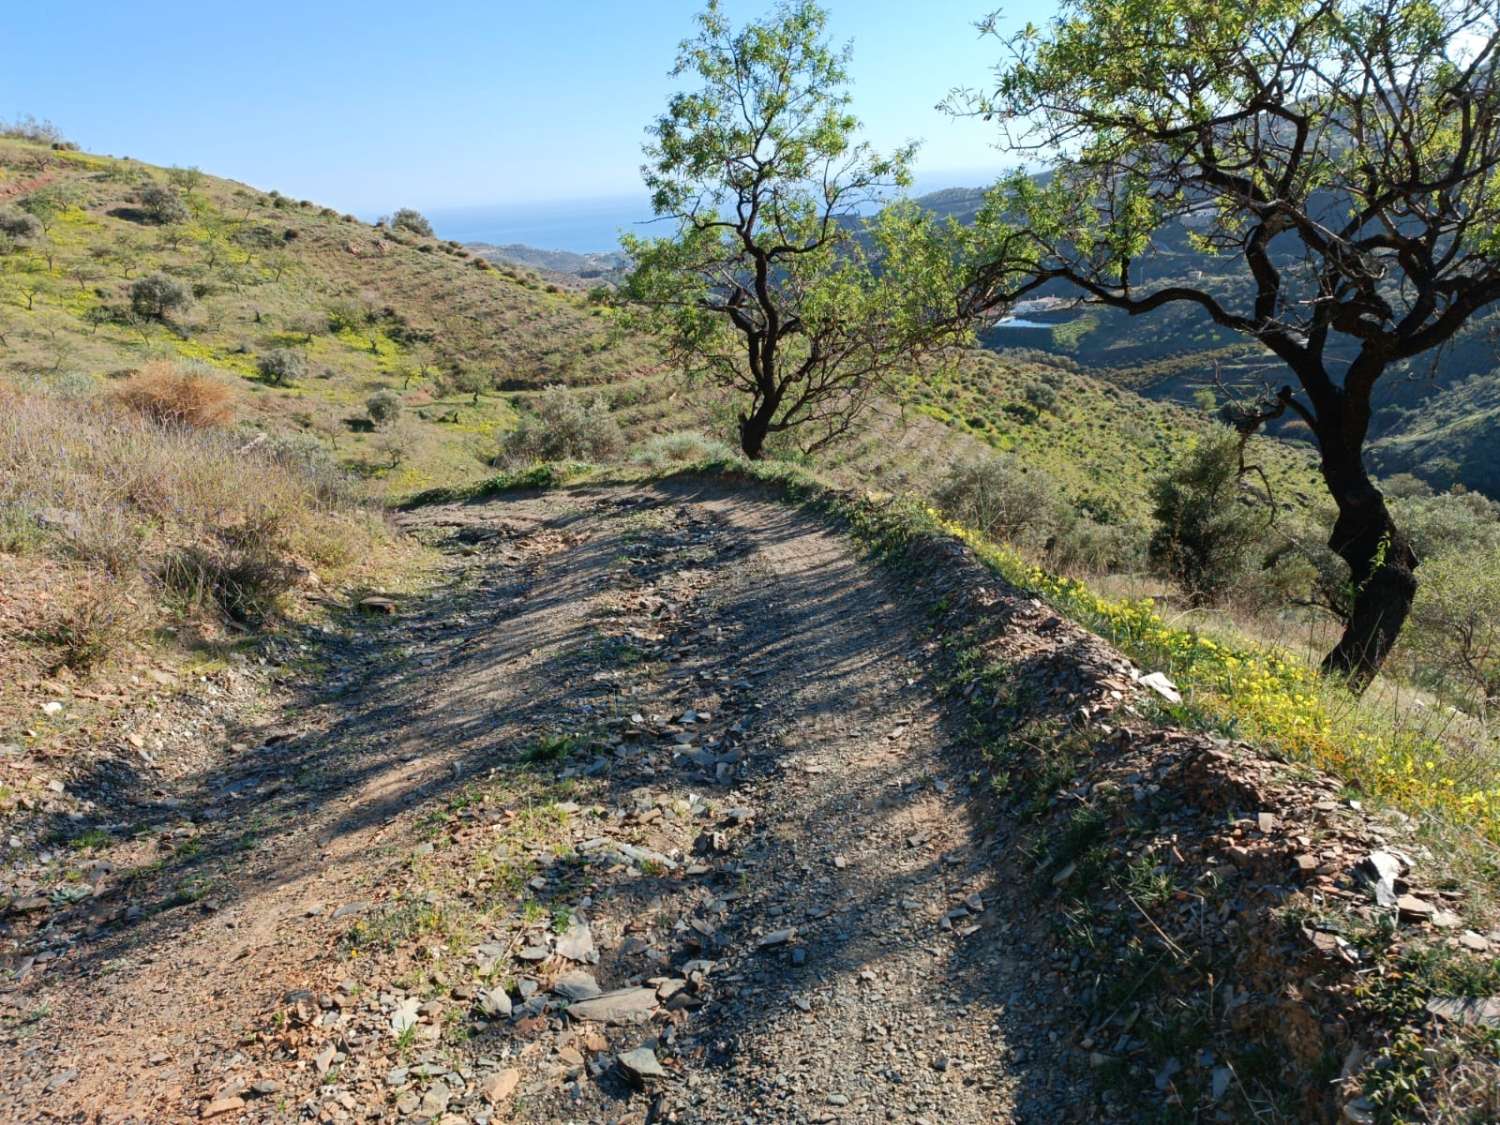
446, 103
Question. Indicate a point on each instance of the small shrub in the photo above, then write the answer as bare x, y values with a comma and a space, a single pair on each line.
177, 396
1001, 498
409, 219
312, 463
681, 448
1204, 532
99, 619
383, 407
1081, 544
162, 204
156, 296
282, 367
563, 427
17, 225
1041, 395
38, 131
240, 570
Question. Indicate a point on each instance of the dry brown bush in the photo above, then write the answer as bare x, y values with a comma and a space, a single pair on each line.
173, 395
240, 570
199, 518
98, 618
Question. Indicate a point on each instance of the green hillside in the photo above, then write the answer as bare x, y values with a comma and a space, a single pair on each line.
464, 342
365, 308
1435, 419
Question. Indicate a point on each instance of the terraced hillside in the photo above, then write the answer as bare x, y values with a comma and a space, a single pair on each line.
1436, 416
363, 308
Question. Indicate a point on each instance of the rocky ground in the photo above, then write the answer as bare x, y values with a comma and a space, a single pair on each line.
666, 807
649, 815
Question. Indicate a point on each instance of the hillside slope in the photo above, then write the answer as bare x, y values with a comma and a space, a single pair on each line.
365, 308
462, 342
1435, 416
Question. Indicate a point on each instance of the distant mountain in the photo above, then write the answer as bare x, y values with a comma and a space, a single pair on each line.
603, 267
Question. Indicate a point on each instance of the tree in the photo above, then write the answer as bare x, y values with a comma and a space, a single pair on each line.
383, 407
411, 220
469, 381
162, 204
282, 366
47, 203
1345, 152
765, 286
156, 295
19, 226
185, 180
1203, 532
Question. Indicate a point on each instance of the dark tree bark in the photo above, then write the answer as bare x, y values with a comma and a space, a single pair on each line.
756, 427
1382, 570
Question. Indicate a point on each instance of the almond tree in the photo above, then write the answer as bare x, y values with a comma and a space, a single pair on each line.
765, 285
1345, 153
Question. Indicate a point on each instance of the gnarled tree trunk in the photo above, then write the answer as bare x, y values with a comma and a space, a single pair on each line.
754, 428
1382, 566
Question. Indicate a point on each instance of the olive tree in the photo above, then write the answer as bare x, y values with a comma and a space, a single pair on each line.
19, 226
383, 407
46, 203
156, 296
162, 204
282, 367
1342, 155
764, 284
411, 220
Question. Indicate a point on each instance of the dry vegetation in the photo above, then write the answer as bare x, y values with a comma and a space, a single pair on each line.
116, 518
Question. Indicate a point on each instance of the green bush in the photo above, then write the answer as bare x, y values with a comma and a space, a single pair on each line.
1082, 544
563, 427
18, 225
681, 448
411, 220
383, 407
1041, 395
162, 204
1204, 529
156, 295
1454, 630
282, 367
1002, 498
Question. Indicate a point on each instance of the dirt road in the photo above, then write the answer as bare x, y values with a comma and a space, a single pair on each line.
671, 744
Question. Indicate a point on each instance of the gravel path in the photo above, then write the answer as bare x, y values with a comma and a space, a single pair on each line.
673, 743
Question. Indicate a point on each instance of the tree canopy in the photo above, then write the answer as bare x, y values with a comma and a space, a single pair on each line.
766, 283
1345, 152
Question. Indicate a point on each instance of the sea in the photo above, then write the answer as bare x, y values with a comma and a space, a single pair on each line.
584, 226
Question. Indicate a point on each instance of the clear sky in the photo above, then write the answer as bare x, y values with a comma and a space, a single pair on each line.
374, 105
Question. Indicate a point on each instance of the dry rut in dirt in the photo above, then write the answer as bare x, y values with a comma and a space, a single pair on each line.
648, 815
